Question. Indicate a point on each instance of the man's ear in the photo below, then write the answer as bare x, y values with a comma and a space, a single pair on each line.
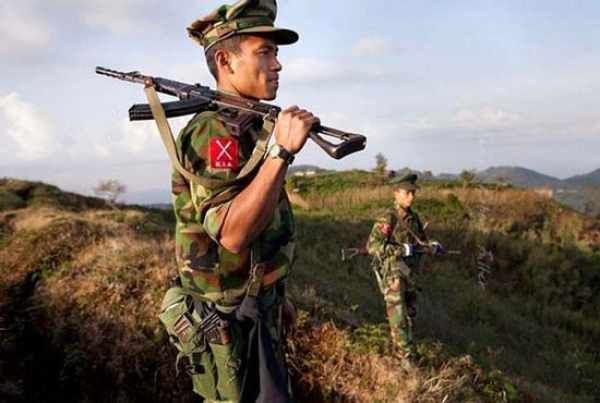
223, 61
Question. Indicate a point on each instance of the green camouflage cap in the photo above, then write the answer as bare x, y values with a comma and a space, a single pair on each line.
406, 182
242, 17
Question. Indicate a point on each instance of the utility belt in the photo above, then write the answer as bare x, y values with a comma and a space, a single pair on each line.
207, 335
191, 323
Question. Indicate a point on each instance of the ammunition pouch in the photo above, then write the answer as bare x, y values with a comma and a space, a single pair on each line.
181, 321
200, 335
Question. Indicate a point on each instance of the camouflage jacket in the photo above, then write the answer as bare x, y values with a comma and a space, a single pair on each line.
208, 148
389, 232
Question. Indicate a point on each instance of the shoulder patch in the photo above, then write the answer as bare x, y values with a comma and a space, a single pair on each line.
385, 228
223, 153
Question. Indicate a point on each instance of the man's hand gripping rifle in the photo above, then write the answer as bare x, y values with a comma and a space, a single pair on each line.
195, 98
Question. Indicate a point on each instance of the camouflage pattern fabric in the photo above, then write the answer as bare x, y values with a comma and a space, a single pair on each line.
393, 271
242, 17
207, 270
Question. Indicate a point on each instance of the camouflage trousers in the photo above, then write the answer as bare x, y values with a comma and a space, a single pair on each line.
216, 365
399, 294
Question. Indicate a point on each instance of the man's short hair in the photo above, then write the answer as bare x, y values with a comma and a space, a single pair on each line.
231, 44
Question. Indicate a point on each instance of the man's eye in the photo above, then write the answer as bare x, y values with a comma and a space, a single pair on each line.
267, 52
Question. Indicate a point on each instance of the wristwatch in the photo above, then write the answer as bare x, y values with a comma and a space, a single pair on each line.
277, 151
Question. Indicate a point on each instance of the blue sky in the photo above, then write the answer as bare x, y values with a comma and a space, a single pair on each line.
442, 86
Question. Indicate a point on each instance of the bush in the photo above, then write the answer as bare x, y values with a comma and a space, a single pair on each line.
10, 201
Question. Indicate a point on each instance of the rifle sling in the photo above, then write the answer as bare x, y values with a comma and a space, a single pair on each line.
166, 135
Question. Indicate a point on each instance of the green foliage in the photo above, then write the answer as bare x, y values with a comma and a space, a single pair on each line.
333, 182
381, 164
445, 210
468, 176
10, 200
542, 299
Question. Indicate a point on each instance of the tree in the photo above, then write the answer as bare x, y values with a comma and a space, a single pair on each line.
591, 197
468, 176
110, 190
427, 175
380, 163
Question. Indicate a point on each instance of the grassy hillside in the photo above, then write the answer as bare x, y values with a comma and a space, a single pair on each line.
80, 285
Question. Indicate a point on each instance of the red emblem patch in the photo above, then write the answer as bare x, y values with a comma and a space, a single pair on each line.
224, 153
386, 229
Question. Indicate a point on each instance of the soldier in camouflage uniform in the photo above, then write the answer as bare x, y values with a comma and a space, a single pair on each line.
397, 242
235, 229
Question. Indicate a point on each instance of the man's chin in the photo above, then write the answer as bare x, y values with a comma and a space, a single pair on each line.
270, 96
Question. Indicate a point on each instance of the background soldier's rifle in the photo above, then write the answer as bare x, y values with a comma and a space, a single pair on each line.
350, 253
195, 98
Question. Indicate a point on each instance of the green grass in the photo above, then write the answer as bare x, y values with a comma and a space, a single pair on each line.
332, 182
537, 321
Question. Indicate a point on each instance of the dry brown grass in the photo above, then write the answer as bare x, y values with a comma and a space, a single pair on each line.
347, 198
492, 198
100, 300
327, 368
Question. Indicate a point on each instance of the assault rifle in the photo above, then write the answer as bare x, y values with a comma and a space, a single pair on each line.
350, 253
195, 98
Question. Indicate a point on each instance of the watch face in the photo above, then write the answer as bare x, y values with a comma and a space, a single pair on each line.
276, 151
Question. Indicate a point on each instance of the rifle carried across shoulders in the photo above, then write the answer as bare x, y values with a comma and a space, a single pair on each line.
194, 98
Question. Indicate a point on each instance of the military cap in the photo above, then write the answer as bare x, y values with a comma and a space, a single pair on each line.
406, 182
242, 17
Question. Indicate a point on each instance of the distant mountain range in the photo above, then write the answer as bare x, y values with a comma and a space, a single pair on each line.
524, 177
517, 176
589, 179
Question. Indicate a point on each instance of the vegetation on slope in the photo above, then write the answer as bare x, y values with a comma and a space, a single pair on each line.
80, 285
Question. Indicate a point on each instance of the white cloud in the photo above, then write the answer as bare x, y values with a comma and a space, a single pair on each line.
309, 70
22, 30
142, 139
190, 73
137, 136
31, 131
115, 16
372, 46
486, 118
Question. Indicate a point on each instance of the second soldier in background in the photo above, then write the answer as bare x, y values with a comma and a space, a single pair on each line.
398, 242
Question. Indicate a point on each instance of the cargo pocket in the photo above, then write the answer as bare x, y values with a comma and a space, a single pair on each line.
177, 317
203, 371
228, 363
182, 324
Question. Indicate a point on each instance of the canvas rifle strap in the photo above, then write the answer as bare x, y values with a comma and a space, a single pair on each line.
166, 135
